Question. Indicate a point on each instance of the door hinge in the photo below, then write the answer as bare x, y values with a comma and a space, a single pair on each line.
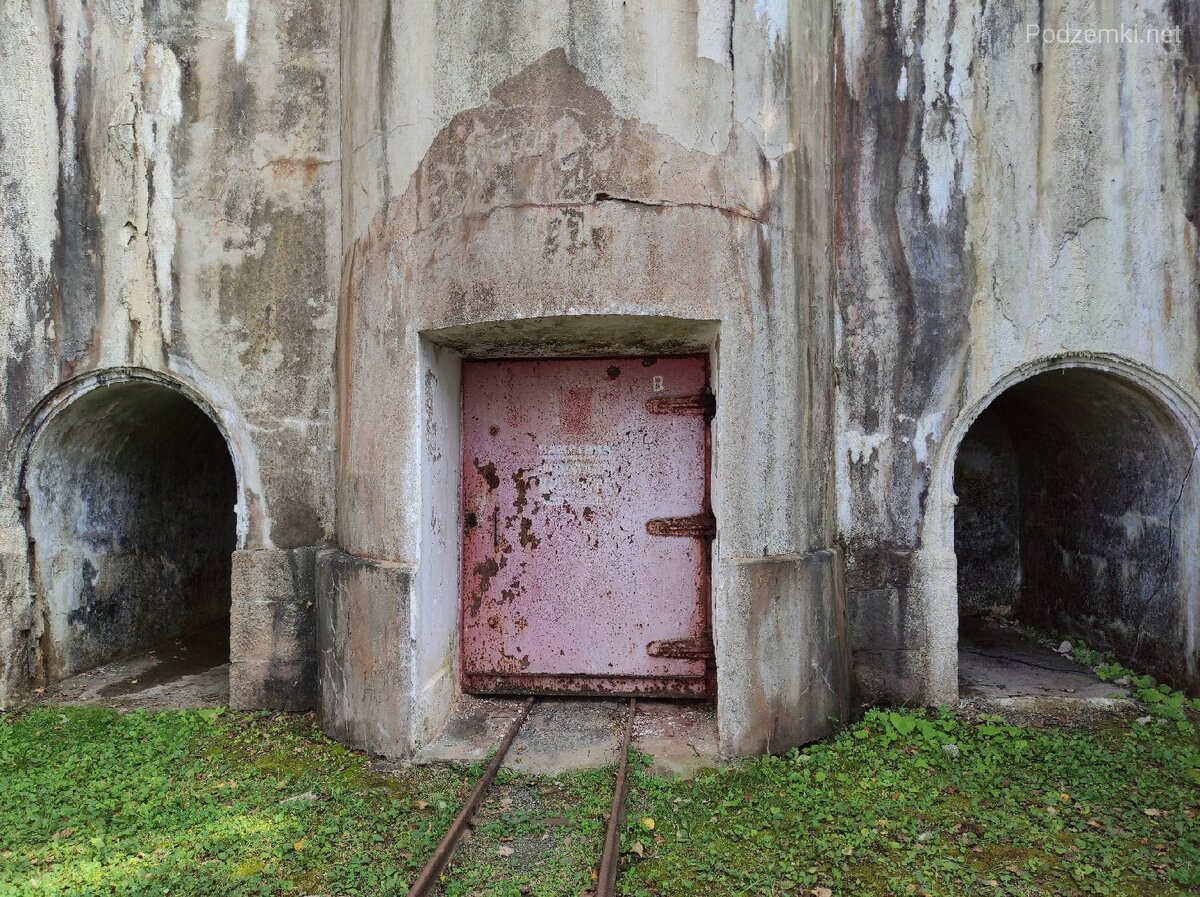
694, 648
698, 526
703, 404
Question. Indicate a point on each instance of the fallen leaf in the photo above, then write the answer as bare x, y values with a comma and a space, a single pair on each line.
305, 796
637, 848
821, 892
648, 822
1151, 811
505, 851
299, 845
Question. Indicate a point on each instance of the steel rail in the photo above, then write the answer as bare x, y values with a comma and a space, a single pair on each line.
606, 882
445, 849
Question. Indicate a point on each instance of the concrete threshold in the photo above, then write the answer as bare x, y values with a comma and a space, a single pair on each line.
998, 665
567, 734
184, 673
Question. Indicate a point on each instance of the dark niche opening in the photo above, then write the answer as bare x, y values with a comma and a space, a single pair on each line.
131, 512
1069, 517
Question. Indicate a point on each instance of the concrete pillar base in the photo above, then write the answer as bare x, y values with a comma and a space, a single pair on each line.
783, 652
365, 671
272, 649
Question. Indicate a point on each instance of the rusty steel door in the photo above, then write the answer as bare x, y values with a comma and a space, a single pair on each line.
586, 527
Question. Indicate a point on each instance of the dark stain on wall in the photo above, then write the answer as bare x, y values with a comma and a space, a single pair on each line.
905, 276
1186, 15
905, 281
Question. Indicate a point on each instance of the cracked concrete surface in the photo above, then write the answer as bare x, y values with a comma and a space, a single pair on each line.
189, 672
561, 735
997, 663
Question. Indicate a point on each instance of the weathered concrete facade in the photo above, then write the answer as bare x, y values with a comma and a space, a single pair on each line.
594, 184
1009, 206
276, 229
170, 222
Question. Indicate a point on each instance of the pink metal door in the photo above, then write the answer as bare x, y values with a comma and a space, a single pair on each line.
586, 527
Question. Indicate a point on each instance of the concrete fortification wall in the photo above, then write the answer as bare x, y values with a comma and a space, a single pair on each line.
892, 228
1011, 198
169, 178
599, 179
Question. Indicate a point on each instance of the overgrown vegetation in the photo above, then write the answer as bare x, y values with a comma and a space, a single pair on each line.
1161, 700
200, 803
196, 803
934, 804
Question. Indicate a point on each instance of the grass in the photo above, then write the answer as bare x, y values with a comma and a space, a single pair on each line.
916, 804
94, 801
188, 803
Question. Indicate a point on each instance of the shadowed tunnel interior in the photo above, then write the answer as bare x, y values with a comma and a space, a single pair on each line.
132, 495
1070, 517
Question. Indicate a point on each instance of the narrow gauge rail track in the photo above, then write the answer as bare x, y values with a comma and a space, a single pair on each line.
606, 884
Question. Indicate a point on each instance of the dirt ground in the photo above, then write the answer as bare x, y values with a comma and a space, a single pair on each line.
184, 673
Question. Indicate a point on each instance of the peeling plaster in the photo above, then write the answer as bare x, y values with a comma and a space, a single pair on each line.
164, 110
73, 27
237, 13
714, 30
861, 447
928, 432
947, 49
772, 15
852, 33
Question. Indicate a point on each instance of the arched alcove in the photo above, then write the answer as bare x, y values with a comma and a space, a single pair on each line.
1073, 516
131, 494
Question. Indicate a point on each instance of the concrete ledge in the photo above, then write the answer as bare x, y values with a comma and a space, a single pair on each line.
272, 648
364, 672
783, 652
